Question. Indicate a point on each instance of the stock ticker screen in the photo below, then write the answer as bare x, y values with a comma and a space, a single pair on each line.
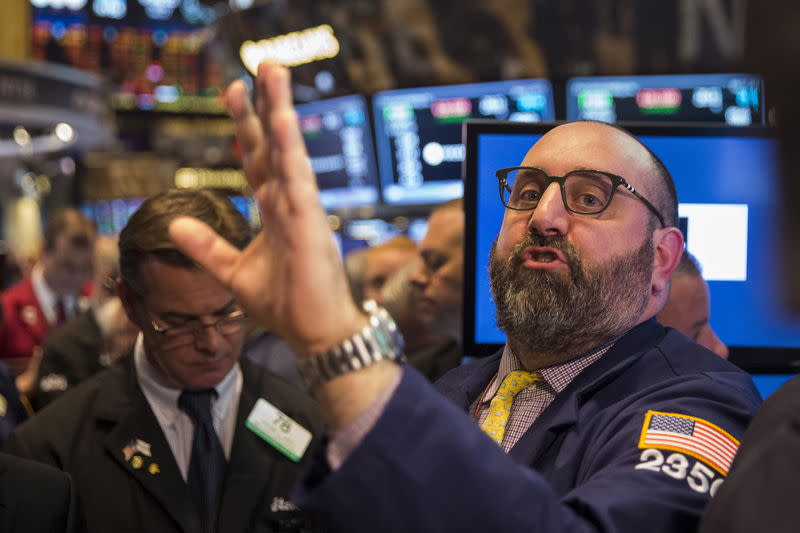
732, 99
149, 49
339, 142
418, 132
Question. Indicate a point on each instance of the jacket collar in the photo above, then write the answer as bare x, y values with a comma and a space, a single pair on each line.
563, 411
121, 402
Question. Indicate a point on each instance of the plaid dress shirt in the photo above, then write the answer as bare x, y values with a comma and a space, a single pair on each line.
531, 402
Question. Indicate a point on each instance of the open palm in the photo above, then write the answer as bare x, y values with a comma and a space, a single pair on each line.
290, 278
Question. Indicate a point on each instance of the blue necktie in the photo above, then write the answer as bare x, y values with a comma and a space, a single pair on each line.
207, 465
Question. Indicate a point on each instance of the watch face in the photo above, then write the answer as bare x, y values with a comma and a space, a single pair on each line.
380, 340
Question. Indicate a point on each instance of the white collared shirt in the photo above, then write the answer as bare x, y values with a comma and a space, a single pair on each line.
47, 298
176, 425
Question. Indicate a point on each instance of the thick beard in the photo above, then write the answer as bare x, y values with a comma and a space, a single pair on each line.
550, 318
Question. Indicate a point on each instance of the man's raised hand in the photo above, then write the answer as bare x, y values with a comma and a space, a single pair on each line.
290, 278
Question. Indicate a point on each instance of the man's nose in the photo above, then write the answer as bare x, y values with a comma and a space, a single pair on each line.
419, 276
550, 216
208, 339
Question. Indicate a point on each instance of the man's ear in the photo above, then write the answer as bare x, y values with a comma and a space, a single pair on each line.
667, 251
128, 298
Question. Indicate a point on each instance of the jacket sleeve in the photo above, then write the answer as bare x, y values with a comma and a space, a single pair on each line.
426, 466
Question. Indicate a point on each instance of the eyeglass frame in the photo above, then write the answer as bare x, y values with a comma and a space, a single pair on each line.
616, 181
195, 332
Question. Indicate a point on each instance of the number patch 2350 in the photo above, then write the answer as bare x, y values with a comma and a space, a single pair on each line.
700, 478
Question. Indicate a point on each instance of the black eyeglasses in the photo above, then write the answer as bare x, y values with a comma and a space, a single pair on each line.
584, 192
188, 331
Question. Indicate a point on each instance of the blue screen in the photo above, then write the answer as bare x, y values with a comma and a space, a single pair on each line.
418, 132
339, 142
110, 216
727, 189
733, 99
769, 383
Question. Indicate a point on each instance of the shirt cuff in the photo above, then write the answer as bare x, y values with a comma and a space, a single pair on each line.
344, 441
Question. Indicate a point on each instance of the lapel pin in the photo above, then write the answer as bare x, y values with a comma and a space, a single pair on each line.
137, 462
153, 469
128, 451
143, 447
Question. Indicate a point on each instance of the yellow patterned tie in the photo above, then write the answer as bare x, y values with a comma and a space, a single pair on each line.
500, 406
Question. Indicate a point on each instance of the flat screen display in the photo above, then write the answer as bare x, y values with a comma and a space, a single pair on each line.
727, 186
769, 383
339, 142
418, 132
732, 99
149, 50
110, 216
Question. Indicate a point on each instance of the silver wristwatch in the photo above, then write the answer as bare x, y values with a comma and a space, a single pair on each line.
378, 341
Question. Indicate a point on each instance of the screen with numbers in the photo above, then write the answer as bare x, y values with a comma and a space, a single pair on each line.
418, 132
339, 142
732, 99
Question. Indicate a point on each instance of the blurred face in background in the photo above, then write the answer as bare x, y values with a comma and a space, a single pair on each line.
67, 267
381, 263
688, 310
440, 277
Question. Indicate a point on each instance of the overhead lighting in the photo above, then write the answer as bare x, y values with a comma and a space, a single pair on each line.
292, 49
64, 132
21, 136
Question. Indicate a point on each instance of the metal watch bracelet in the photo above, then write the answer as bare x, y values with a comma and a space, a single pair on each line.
380, 340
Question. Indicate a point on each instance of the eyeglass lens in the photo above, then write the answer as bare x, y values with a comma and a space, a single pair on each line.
585, 191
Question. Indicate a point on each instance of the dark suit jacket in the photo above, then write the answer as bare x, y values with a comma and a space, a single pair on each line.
86, 430
34, 498
435, 361
71, 355
24, 326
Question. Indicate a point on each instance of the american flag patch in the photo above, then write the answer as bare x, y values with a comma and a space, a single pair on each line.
692, 436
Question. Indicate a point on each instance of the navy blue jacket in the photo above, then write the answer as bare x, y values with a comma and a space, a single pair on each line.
425, 466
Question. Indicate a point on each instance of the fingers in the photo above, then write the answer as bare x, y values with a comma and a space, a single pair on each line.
203, 246
249, 132
270, 135
291, 158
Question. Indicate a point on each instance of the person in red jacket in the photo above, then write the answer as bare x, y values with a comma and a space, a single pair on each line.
52, 293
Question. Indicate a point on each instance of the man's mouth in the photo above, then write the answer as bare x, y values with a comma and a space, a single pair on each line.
542, 257
545, 257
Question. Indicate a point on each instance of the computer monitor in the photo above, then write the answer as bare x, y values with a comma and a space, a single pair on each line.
418, 132
339, 142
110, 216
732, 99
727, 186
769, 383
